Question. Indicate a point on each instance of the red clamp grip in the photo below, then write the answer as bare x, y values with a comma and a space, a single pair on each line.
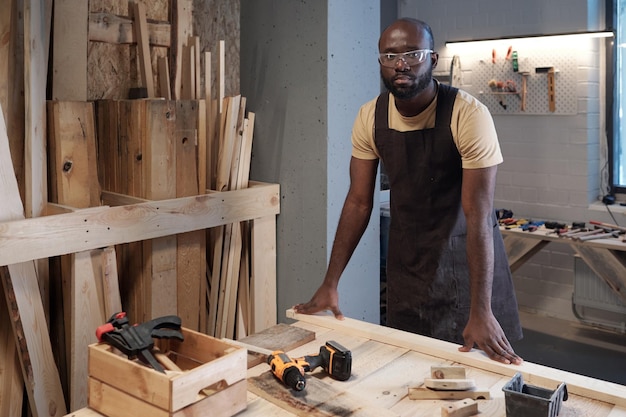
105, 328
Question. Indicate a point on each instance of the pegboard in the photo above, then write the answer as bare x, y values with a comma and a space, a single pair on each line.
478, 70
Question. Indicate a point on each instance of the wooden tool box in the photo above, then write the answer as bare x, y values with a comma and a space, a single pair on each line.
211, 380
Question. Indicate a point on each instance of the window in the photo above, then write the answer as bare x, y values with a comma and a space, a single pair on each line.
618, 173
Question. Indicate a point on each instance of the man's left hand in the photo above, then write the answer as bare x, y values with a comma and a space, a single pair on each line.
486, 333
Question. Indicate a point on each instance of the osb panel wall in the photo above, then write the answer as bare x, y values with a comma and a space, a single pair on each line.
215, 20
113, 69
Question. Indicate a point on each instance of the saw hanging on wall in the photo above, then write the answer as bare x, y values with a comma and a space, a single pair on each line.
455, 72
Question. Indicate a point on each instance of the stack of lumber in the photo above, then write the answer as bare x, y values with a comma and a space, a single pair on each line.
178, 140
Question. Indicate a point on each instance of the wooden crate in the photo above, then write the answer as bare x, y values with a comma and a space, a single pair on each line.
212, 381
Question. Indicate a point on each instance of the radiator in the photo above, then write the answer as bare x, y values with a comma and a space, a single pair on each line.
591, 291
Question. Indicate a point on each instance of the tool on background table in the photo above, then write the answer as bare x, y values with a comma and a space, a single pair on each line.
531, 226
137, 341
334, 359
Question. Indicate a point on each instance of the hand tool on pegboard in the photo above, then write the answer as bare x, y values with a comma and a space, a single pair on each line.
551, 85
455, 71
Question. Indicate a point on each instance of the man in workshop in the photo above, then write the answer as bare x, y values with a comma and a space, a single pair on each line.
447, 270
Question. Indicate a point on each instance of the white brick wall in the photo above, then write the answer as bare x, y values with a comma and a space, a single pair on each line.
552, 162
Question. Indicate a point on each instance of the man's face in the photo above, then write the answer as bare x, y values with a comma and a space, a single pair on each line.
406, 81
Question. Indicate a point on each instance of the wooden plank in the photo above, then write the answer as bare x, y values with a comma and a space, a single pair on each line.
112, 302
318, 399
11, 382
160, 164
164, 78
21, 290
263, 276
209, 122
221, 74
227, 143
69, 61
5, 51
462, 408
37, 21
196, 65
41, 377
104, 226
110, 28
182, 25
143, 46
423, 393
187, 88
12, 83
279, 337
219, 275
86, 303
191, 251
71, 136
532, 373
74, 182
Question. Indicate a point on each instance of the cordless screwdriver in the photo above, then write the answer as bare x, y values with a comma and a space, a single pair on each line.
287, 370
335, 359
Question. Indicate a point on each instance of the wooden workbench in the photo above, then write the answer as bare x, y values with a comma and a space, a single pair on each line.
387, 362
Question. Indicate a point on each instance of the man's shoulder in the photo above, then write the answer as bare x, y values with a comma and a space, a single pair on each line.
371, 103
466, 100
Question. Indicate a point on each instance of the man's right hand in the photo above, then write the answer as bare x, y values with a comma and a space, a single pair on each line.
325, 298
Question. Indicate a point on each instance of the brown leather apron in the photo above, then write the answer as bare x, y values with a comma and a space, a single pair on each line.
427, 271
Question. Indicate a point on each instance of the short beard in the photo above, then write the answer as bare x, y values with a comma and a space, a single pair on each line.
423, 81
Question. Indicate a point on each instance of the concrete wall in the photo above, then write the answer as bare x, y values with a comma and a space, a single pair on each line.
306, 67
552, 168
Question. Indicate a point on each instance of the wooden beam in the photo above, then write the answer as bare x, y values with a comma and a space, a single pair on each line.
191, 263
182, 26
72, 154
98, 227
160, 167
12, 84
87, 309
520, 249
37, 21
21, 292
263, 276
143, 46
164, 78
112, 302
11, 382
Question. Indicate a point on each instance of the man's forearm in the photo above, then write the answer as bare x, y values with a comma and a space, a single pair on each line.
480, 258
352, 223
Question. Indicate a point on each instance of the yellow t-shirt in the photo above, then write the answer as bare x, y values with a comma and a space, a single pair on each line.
472, 128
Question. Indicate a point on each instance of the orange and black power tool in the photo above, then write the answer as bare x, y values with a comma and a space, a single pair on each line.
286, 370
335, 359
